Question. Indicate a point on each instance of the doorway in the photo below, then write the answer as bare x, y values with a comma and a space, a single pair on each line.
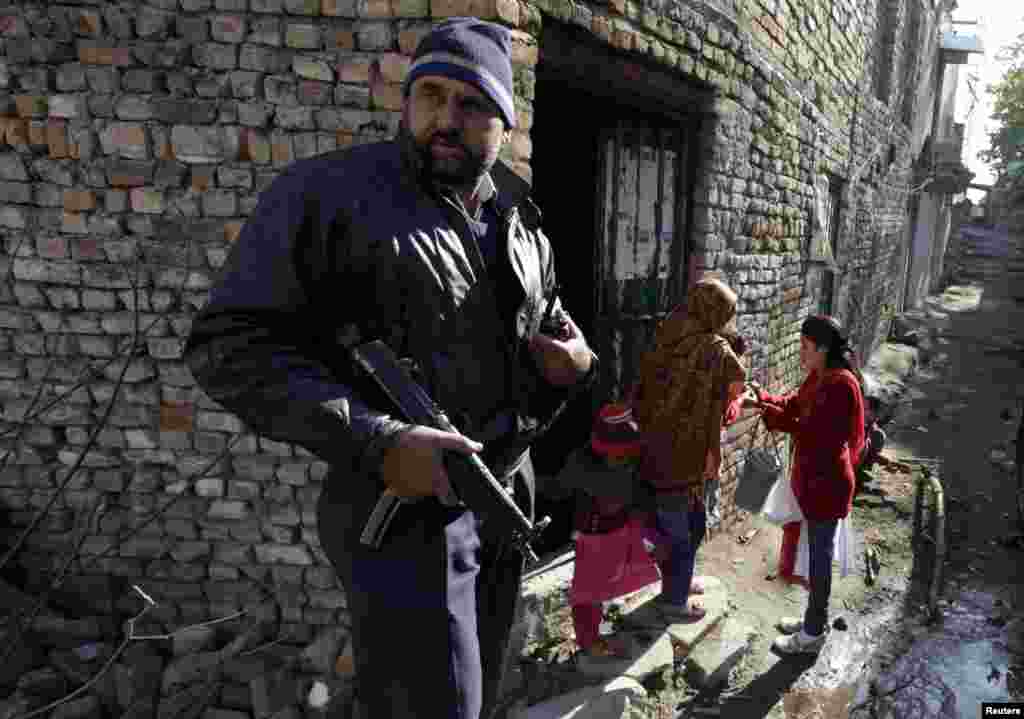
613, 177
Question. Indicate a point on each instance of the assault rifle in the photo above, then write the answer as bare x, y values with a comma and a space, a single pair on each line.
473, 483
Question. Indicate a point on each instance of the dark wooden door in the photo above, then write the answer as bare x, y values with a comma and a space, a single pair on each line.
640, 272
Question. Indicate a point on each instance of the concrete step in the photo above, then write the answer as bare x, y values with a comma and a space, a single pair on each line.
684, 636
653, 643
711, 660
616, 699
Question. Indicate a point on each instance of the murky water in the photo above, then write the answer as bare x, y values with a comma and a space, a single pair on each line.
950, 668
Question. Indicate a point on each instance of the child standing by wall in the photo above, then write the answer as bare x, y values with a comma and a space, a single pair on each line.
611, 524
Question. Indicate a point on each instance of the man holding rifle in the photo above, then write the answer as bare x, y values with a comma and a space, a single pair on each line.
431, 245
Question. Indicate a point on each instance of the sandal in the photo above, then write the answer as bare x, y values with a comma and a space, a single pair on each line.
694, 611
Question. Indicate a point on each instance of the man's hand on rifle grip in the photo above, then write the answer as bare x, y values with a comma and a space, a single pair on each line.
413, 466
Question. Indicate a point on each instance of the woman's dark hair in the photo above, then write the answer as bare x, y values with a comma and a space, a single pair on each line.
826, 332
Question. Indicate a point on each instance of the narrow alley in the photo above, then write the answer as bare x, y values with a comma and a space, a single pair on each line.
960, 412
955, 391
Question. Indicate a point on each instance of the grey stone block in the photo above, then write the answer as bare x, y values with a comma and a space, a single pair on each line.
216, 56
12, 167
283, 554
267, 6
71, 77
16, 192
263, 59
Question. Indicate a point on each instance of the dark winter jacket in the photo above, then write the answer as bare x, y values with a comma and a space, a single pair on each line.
354, 245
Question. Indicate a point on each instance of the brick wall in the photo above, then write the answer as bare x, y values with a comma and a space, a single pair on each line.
135, 137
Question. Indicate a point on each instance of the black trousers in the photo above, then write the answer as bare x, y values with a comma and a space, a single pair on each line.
431, 610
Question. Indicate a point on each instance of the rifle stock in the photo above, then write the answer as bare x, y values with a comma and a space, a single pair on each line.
473, 482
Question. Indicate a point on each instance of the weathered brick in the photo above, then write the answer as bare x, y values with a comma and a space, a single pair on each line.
387, 95
61, 273
302, 7
265, 31
216, 56
355, 69
246, 84
143, 81
202, 144
79, 200
280, 90
175, 111
127, 140
393, 67
295, 118
152, 23
375, 9
283, 554
49, 195
228, 28
312, 68
90, 54
228, 509
70, 77
147, 200
326, 598
103, 80
16, 192
196, 5
31, 105
195, 29
211, 487
170, 175
129, 173
339, 8
267, 6
98, 300
190, 551
263, 59
234, 177
219, 203
203, 177
133, 107
375, 37
302, 36
410, 8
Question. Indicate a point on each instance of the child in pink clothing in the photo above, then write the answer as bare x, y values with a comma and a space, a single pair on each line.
610, 526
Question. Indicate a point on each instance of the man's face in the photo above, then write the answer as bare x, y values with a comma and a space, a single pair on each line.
457, 129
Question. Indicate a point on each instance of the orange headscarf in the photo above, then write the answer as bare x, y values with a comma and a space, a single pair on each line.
683, 389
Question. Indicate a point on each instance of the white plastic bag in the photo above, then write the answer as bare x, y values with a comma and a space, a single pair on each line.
843, 550
780, 506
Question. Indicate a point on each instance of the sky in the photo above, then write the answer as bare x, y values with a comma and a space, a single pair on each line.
1000, 22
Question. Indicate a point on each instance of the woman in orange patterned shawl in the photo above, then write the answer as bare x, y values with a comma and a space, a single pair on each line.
691, 385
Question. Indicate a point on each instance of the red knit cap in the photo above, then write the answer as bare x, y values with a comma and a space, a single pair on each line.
616, 433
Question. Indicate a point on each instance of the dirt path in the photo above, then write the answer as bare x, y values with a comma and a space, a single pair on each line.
966, 410
962, 408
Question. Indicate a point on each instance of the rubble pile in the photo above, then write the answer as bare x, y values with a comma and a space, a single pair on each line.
96, 667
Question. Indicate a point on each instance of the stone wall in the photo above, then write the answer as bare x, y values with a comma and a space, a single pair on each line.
135, 137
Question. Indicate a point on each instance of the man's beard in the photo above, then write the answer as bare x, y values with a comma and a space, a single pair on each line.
458, 172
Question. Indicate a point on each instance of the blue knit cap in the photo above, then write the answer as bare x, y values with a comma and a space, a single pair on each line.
473, 51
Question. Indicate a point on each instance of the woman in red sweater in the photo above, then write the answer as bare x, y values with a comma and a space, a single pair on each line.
826, 419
